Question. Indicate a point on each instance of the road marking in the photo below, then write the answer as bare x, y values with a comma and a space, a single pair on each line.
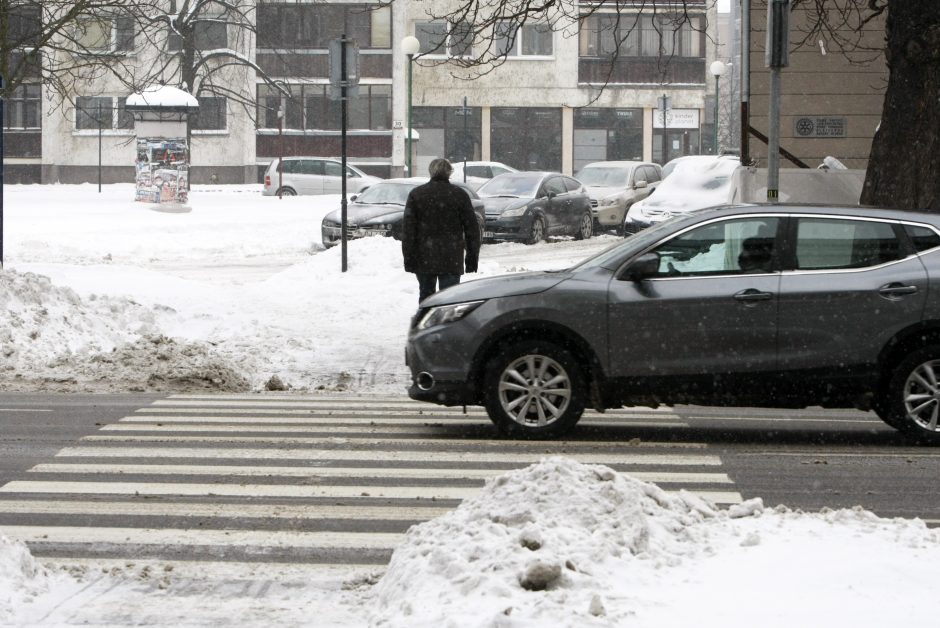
25, 409
461, 457
232, 511
369, 442
343, 410
331, 426
345, 472
279, 490
177, 537
406, 419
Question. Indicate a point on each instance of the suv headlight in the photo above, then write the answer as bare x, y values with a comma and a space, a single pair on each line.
607, 202
445, 314
515, 211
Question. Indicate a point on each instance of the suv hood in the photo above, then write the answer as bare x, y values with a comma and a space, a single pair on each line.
357, 213
597, 192
493, 287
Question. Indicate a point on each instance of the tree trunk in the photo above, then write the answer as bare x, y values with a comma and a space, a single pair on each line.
904, 168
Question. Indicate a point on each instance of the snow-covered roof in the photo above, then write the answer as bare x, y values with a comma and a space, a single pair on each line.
162, 97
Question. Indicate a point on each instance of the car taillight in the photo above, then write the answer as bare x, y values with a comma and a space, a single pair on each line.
267, 180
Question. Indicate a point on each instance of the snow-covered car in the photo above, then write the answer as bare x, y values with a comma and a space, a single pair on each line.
616, 185
313, 175
696, 182
478, 172
379, 211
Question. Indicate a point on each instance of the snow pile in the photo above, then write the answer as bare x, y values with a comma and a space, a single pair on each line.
21, 577
52, 337
539, 544
564, 544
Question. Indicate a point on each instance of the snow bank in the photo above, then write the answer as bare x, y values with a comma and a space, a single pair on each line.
540, 544
51, 337
565, 544
21, 577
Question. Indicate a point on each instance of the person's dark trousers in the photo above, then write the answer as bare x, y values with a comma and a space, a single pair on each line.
428, 284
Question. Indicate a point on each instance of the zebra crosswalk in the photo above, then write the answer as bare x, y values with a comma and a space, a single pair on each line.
290, 478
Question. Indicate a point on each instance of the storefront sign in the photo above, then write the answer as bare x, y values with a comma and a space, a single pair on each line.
676, 119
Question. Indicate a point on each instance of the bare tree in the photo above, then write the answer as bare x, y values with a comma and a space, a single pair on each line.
63, 43
911, 114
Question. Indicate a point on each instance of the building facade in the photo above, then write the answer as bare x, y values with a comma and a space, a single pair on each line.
587, 88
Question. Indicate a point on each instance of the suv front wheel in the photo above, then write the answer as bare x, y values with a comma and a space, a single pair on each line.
534, 389
912, 399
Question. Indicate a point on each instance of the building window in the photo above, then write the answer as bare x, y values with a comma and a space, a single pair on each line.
527, 40
103, 34
211, 115
450, 132
25, 26
21, 108
313, 26
526, 138
310, 108
450, 39
206, 35
104, 112
632, 35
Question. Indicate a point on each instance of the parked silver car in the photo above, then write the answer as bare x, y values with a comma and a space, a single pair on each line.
616, 185
313, 175
774, 306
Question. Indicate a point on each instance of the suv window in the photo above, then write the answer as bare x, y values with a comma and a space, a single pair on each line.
830, 243
923, 238
730, 247
332, 169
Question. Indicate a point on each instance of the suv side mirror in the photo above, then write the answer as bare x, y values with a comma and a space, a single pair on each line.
353, 197
642, 267
639, 185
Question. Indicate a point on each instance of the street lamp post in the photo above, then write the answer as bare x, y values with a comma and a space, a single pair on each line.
410, 46
717, 68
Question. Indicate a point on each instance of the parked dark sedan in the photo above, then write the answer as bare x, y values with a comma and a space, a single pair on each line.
774, 306
530, 206
379, 209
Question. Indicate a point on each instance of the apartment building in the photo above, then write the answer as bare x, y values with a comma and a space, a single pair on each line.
580, 90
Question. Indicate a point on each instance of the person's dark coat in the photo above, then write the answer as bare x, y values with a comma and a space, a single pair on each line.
439, 229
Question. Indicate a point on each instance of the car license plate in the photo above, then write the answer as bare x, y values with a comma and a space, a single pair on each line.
488, 234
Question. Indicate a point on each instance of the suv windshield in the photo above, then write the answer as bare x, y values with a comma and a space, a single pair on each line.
603, 177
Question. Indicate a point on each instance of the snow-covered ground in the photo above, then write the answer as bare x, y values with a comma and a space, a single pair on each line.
103, 294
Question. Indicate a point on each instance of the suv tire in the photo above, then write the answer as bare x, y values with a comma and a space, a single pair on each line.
585, 227
534, 389
286, 191
911, 402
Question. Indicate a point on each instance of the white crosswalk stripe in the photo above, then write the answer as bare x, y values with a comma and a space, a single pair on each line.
305, 478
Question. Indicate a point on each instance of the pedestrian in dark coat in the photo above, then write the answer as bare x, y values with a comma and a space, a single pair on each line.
440, 234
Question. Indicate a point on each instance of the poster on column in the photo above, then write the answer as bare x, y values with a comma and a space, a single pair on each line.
162, 170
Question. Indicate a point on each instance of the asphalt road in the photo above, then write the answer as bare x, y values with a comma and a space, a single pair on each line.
338, 480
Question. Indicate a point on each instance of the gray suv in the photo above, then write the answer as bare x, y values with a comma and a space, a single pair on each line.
773, 306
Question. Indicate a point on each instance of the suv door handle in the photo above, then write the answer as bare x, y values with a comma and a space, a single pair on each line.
895, 290
751, 294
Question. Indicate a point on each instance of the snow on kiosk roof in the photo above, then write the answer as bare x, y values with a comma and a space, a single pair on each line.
162, 98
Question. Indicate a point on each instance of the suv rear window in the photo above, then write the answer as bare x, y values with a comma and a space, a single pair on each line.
923, 238
826, 243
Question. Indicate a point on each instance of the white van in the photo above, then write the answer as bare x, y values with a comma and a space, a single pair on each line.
313, 175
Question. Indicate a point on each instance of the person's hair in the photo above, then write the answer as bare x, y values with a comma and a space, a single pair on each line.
440, 169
